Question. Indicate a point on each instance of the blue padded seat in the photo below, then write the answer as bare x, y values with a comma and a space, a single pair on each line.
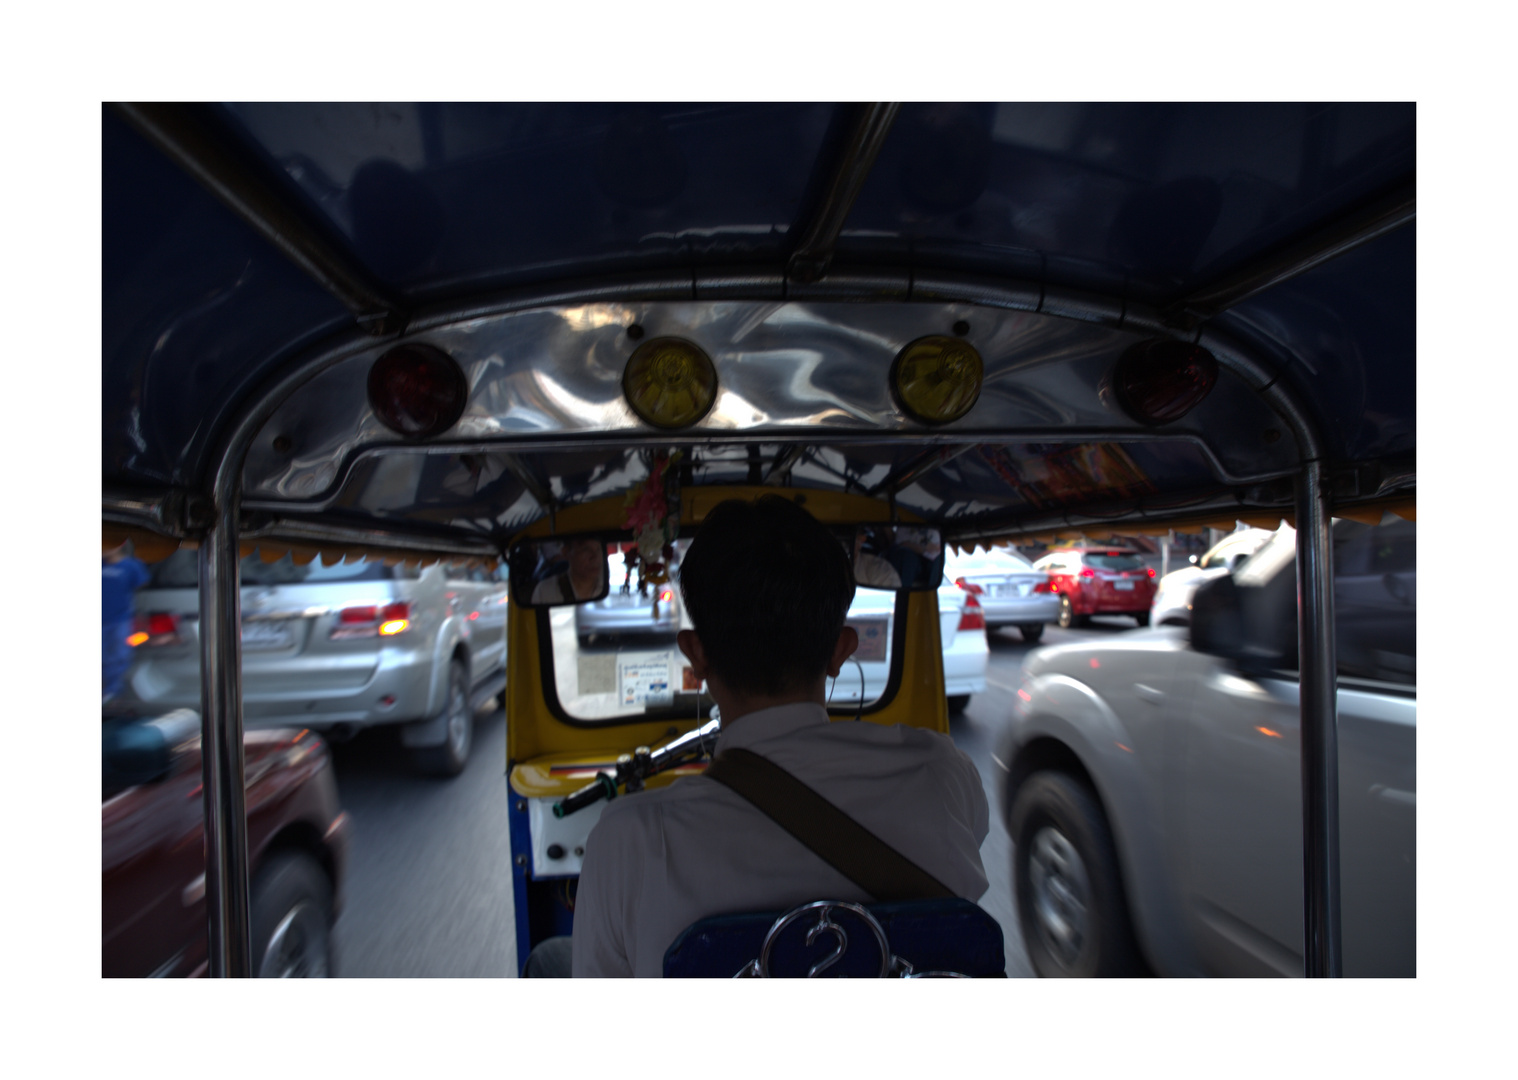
952, 935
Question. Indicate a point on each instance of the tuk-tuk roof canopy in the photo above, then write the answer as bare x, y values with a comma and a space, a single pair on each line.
241, 239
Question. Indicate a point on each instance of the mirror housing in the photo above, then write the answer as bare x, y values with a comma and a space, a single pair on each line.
558, 571
1217, 619
1251, 618
908, 558
135, 751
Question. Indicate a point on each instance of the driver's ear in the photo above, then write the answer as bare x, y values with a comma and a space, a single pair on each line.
690, 645
848, 641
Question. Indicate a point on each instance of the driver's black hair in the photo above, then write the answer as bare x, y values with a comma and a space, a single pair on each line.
767, 588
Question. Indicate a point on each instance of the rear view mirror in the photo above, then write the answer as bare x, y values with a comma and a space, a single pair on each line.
550, 573
908, 557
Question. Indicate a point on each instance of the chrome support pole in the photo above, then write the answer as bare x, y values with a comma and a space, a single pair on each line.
221, 763
1320, 728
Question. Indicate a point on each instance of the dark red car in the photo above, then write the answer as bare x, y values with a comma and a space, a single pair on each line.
1099, 581
154, 884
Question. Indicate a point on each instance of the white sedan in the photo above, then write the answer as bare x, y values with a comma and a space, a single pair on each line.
962, 632
1172, 600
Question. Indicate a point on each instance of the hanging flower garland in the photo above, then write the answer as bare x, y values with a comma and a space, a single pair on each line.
653, 515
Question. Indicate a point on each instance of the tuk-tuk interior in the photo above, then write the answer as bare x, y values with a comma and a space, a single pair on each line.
436, 358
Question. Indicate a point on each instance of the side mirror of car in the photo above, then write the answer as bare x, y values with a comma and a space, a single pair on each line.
1250, 616
552, 573
1217, 619
137, 751
909, 558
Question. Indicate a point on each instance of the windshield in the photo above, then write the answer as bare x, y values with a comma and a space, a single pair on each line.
1114, 560
617, 658
181, 571
986, 562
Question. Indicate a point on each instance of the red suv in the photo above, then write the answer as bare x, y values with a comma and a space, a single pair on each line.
1099, 581
154, 885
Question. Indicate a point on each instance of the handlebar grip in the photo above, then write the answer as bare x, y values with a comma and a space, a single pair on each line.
604, 787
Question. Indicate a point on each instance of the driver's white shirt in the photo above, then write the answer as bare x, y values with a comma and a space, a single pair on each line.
660, 860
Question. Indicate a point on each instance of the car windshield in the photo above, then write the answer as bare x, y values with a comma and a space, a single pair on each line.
986, 562
1114, 560
180, 571
616, 658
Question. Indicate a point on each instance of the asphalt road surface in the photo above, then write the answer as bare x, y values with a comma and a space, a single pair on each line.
429, 882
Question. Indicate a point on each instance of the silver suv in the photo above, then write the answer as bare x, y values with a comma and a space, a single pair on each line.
338, 648
1153, 778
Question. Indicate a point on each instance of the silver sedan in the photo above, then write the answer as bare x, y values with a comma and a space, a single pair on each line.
1010, 591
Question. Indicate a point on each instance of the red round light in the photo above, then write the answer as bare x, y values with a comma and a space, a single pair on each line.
417, 390
1158, 382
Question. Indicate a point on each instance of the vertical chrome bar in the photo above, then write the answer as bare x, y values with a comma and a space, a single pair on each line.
226, 821
1320, 728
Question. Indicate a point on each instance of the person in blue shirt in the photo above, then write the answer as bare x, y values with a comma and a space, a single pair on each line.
121, 576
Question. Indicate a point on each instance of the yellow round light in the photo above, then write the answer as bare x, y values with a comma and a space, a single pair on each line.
936, 379
669, 382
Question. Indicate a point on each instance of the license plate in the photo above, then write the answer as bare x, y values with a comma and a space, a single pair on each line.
1126, 586
873, 634
265, 635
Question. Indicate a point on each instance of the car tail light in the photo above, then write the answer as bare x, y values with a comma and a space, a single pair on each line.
1044, 587
1149, 571
371, 620
1088, 572
972, 618
969, 587
394, 618
667, 595
158, 628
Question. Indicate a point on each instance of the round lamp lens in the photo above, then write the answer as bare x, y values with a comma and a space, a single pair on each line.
417, 390
937, 379
1158, 382
669, 383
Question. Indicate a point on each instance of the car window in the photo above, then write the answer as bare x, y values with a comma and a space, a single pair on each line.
1375, 601
1113, 560
181, 570
986, 562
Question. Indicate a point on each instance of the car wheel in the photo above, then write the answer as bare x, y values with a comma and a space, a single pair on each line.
958, 702
1068, 617
1031, 632
1071, 907
450, 758
292, 919
1141, 617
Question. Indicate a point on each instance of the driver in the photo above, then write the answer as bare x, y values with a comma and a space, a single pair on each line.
767, 588
581, 581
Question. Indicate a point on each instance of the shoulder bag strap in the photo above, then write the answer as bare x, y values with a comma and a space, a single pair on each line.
839, 840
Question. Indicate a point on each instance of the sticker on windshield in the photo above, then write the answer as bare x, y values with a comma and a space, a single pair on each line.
645, 681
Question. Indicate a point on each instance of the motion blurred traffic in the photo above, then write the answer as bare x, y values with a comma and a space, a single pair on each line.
1145, 777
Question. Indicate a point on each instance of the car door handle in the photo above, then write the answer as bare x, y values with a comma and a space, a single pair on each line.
1149, 693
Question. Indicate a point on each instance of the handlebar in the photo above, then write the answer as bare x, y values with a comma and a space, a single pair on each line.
632, 769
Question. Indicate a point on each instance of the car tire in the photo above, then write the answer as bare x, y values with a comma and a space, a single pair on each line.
1067, 615
958, 702
1071, 906
1141, 617
291, 919
1031, 632
449, 758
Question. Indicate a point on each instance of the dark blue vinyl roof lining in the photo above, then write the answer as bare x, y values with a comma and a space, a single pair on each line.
1141, 201
197, 308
